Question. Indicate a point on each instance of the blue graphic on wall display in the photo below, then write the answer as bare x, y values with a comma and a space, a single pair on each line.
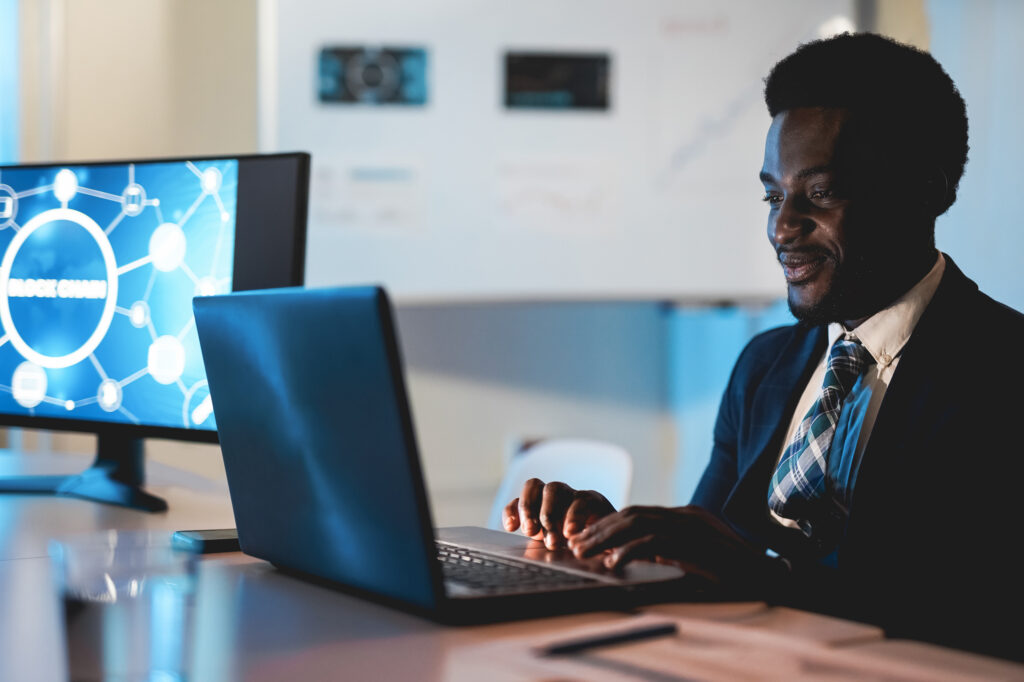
99, 268
372, 75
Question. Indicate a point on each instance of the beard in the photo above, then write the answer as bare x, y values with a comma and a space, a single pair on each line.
851, 295
825, 310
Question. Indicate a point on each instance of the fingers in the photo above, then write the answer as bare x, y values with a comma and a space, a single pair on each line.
554, 501
601, 535
553, 511
510, 516
539, 511
576, 517
529, 508
585, 509
609, 532
641, 548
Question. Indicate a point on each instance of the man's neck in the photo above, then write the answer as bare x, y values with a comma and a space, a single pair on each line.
914, 271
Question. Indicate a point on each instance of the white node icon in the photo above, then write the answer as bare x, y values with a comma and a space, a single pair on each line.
167, 247
138, 314
166, 360
202, 411
133, 199
65, 186
109, 395
28, 384
69, 405
8, 206
210, 182
207, 286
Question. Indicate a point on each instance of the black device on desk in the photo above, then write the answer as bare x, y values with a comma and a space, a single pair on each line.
324, 473
206, 541
100, 263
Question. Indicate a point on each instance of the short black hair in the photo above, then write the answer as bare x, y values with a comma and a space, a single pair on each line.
904, 92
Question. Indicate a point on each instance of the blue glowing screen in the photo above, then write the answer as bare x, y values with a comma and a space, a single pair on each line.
100, 264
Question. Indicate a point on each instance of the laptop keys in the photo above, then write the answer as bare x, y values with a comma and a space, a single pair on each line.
488, 573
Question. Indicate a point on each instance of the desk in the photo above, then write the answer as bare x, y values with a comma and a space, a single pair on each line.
255, 623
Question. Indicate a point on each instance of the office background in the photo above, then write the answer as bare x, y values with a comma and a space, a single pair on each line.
94, 79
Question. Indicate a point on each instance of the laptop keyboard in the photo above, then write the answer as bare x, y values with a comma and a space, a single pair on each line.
489, 573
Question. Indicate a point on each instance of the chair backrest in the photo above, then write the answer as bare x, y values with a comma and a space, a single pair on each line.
581, 463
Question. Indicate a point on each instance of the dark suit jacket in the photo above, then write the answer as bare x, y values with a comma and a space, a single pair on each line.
935, 519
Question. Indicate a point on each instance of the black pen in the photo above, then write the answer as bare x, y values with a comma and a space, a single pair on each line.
572, 646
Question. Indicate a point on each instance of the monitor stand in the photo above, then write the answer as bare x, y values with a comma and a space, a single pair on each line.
115, 477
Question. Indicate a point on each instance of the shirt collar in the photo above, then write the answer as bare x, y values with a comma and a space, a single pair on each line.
886, 332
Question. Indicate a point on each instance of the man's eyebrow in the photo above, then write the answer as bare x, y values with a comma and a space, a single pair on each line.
813, 170
805, 173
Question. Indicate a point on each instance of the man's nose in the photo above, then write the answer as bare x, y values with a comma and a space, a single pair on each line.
791, 221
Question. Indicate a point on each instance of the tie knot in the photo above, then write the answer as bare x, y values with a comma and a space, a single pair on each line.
847, 360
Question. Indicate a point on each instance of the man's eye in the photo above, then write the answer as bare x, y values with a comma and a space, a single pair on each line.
821, 194
771, 198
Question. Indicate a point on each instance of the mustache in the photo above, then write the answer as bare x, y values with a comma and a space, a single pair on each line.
790, 254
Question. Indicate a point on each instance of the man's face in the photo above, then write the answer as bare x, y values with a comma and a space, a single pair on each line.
823, 242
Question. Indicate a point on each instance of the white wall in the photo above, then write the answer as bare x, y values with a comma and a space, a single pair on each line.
120, 78
649, 199
980, 46
483, 376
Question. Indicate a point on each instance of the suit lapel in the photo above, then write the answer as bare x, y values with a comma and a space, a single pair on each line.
771, 410
916, 387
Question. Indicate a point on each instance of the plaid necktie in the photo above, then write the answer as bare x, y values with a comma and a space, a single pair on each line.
799, 489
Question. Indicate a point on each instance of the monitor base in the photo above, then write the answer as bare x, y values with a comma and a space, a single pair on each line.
115, 477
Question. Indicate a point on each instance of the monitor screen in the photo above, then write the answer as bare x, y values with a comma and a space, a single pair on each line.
100, 264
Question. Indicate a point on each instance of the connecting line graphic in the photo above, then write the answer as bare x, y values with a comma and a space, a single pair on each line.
98, 366
167, 247
35, 190
114, 223
14, 196
96, 193
145, 260
187, 328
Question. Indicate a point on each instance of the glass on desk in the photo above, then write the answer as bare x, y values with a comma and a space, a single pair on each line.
128, 601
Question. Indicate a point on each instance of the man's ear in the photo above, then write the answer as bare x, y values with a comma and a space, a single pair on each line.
936, 195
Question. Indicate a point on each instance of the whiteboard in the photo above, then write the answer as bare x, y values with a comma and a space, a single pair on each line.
656, 197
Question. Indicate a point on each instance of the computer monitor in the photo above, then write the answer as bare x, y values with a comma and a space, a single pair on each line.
100, 262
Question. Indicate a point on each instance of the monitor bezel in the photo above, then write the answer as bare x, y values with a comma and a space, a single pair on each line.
297, 277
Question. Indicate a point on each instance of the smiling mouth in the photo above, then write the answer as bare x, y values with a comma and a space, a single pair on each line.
801, 267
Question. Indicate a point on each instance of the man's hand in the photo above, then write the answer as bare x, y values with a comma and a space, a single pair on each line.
553, 512
689, 536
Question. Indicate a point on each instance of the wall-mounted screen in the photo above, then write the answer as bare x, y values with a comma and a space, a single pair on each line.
556, 80
353, 74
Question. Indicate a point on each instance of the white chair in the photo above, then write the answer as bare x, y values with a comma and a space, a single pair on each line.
581, 463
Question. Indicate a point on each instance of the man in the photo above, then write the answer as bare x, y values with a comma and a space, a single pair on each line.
866, 461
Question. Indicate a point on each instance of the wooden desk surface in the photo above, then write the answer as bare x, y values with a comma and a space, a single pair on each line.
255, 623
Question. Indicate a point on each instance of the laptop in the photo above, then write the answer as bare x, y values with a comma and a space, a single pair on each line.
325, 478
